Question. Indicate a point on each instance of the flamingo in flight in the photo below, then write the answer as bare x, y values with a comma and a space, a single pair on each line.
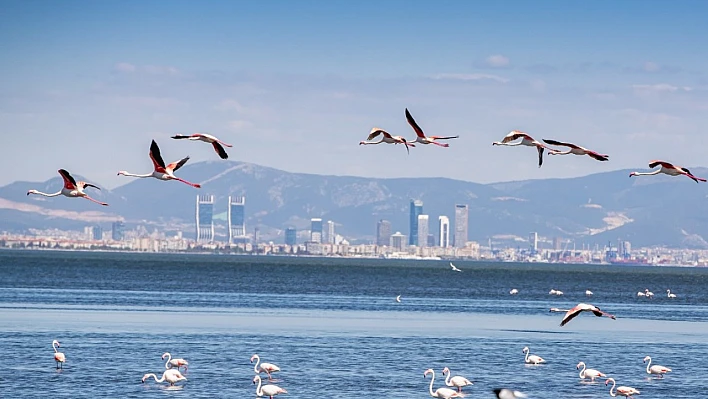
267, 390
575, 149
669, 169
506, 393
456, 381
531, 359
444, 393
592, 374
267, 368
454, 268
559, 310
172, 376
582, 307
627, 392
72, 188
656, 369
525, 140
422, 138
174, 362
162, 171
386, 138
207, 138
59, 357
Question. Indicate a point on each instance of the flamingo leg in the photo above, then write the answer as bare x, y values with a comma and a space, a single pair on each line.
441, 144
98, 202
186, 182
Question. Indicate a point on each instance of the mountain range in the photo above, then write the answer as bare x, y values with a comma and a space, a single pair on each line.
594, 209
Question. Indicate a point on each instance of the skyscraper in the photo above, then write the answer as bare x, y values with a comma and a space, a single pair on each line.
444, 231
398, 241
383, 232
236, 216
330, 236
316, 230
117, 231
97, 233
416, 210
533, 242
423, 227
290, 236
205, 221
461, 220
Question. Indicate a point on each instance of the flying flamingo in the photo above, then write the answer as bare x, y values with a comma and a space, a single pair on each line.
531, 359
505, 393
574, 149
558, 310
172, 376
58, 356
72, 188
525, 140
161, 171
581, 307
422, 138
456, 381
174, 362
627, 392
656, 369
207, 138
267, 390
386, 138
444, 393
669, 169
669, 294
264, 367
454, 268
589, 373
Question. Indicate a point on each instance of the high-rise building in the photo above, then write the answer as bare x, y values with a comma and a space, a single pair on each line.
423, 227
461, 220
398, 241
97, 233
256, 235
416, 210
316, 230
444, 231
383, 233
557, 243
290, 236
431, 240
236, 219
329, 232
117, 231
205, 220
533, 242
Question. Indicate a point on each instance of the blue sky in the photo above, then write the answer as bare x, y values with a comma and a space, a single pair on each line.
297, 84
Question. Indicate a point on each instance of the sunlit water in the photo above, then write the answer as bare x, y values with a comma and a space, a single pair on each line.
334, 328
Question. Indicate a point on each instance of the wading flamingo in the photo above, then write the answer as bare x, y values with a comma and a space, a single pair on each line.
422, 138
444, 393
669, 294
386, 138
513, 291
172, 376
582, 307
267, 368
574, 149
162, 171
72, 188
267, 390
588, 373
505, 393
669, 169
456, 381
207, 138
588, 293
525, 140
531, 359
174, 362
648, 293
656, 369
641, 293
58, 356
627, 392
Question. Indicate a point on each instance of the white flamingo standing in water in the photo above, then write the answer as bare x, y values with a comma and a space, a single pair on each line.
172, 376
656, 369
71, 189
422, 138
525, 140
669, 294
269, 390
627, 392
668, 169
386, 138
531, 359
584, 307
513, 291
588, 293
59, 357
444, 393
207, 138
174, 362
162, 171
456, 381
641, 293
648, 293
267, 368
592, 374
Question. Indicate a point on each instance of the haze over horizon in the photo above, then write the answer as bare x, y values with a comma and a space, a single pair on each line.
296, 86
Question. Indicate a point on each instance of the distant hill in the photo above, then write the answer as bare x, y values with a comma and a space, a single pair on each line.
657, 210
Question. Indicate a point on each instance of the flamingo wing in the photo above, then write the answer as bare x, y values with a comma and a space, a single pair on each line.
599, 157
411, 121
570, 315
181, 136
600, 313
69, 182
560, 143
540, 155
176, 165
654, 164
375, 132
515, 134
156, 157
444, 137
83, 184
220, 150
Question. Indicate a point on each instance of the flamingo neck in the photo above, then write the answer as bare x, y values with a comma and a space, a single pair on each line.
134, 175
656, 172
155, 377
55, 347
511, 144
526, 359
255, 366
169, 357
259, 392
432, 380
447, 379
648, 366
612, 388
58, 193
582, 372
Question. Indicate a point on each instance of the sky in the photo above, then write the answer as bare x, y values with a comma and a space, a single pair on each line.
296, 85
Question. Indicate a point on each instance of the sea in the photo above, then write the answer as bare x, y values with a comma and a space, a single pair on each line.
334, 328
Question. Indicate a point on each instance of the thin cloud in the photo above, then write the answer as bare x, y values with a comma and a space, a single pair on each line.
660, 88
471, 76
497, 61
125, 67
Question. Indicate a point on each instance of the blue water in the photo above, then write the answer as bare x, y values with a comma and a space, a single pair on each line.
333, 327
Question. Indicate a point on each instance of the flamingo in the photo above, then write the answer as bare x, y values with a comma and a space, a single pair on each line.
641, 293
627, 392
174, 362
172, 376
589, 373
161, 171
267, 390
207, 138
456, 381
588, 293
422, 138
648, 293
505, 393
558, 310
386, 138
581, 307
525, 140
531, 359
555, 292
444, 393
398, 298
59, 357
513, 291
656, 369
454, 268
72, 188
669, 169
574, 149
669, 294
264, 367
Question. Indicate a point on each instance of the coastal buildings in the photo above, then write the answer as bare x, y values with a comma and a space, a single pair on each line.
204, 216
416, 209
330, 236
290, 236
422, 227
533, 242
236, 219
444, 231
316, 230
461, 220
383, 232
398, 241
117, 230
